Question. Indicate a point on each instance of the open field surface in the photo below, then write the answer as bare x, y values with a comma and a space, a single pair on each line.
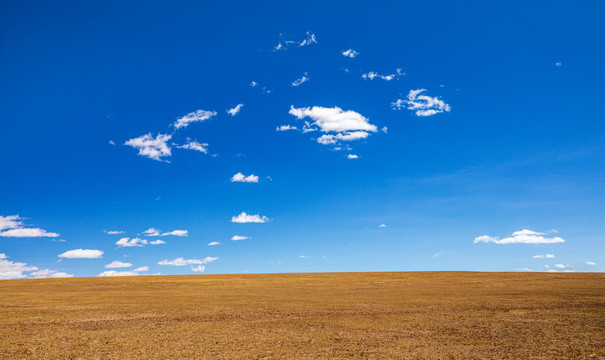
426, 315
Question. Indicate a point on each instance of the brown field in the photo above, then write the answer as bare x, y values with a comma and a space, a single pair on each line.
409, 315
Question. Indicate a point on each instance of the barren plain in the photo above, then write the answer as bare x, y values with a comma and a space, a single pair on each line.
398, 315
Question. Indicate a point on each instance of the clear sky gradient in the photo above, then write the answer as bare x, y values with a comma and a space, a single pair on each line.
452, 136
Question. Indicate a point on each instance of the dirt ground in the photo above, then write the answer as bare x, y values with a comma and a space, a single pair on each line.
399, 315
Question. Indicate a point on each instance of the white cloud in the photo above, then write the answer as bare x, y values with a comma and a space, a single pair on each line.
374, 75
348, 125
117, 264
283, 44
522, 269
551, 270
153, 148
253, 84
27, 233
214, 243
423, 105
239, 177
113, 232
157, 232
141, 269
196, 116
549, 256
384, 129
13, 270
16, 228
350, 53
303, 256
157, 242
134, 272
82, 254
10, 222
199, 268
182, 262
352, 156
285, 128
128, 242
563, 266
111, 142
568, 270
558, 64
234, 111
591, 263
521, 237
382, 226
47, 273
245, 218
309, 40
194, 145
239, 237
300, 81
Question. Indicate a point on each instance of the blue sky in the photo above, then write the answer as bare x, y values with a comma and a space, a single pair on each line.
416, 136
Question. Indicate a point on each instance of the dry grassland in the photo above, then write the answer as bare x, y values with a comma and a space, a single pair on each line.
432, 315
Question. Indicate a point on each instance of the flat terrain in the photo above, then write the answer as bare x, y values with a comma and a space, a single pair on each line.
408, 315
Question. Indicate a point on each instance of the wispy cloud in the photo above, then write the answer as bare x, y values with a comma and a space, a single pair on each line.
47, 273
301, 80
82, 254
239, 177
13, 227
591, 263
350, 53
522, 269
199, 268
234, 111
374, 75
285, 128
196, 116
422, 105
214, 243
548, 256
154, 148
117, 264
128, 242
182, 261
284, 43
239, 237
194, 145
113, 232
157, 232
134, 272
521, 237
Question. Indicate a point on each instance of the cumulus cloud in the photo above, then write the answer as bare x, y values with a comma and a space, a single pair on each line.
196, 116
339, 125
422, 105
182, 262
157, 232
214, 243
592, 263
285, 128
521, 237
113, 232
82, 254
117, 264
239, 177
300, 81
239, 237
234, 111
374, 75
245, 218
194, 145
199, 268
157, 242
352, 156
350, 53
548, 256
154, 148
16, 229
13, 270
47, 273
128, 242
